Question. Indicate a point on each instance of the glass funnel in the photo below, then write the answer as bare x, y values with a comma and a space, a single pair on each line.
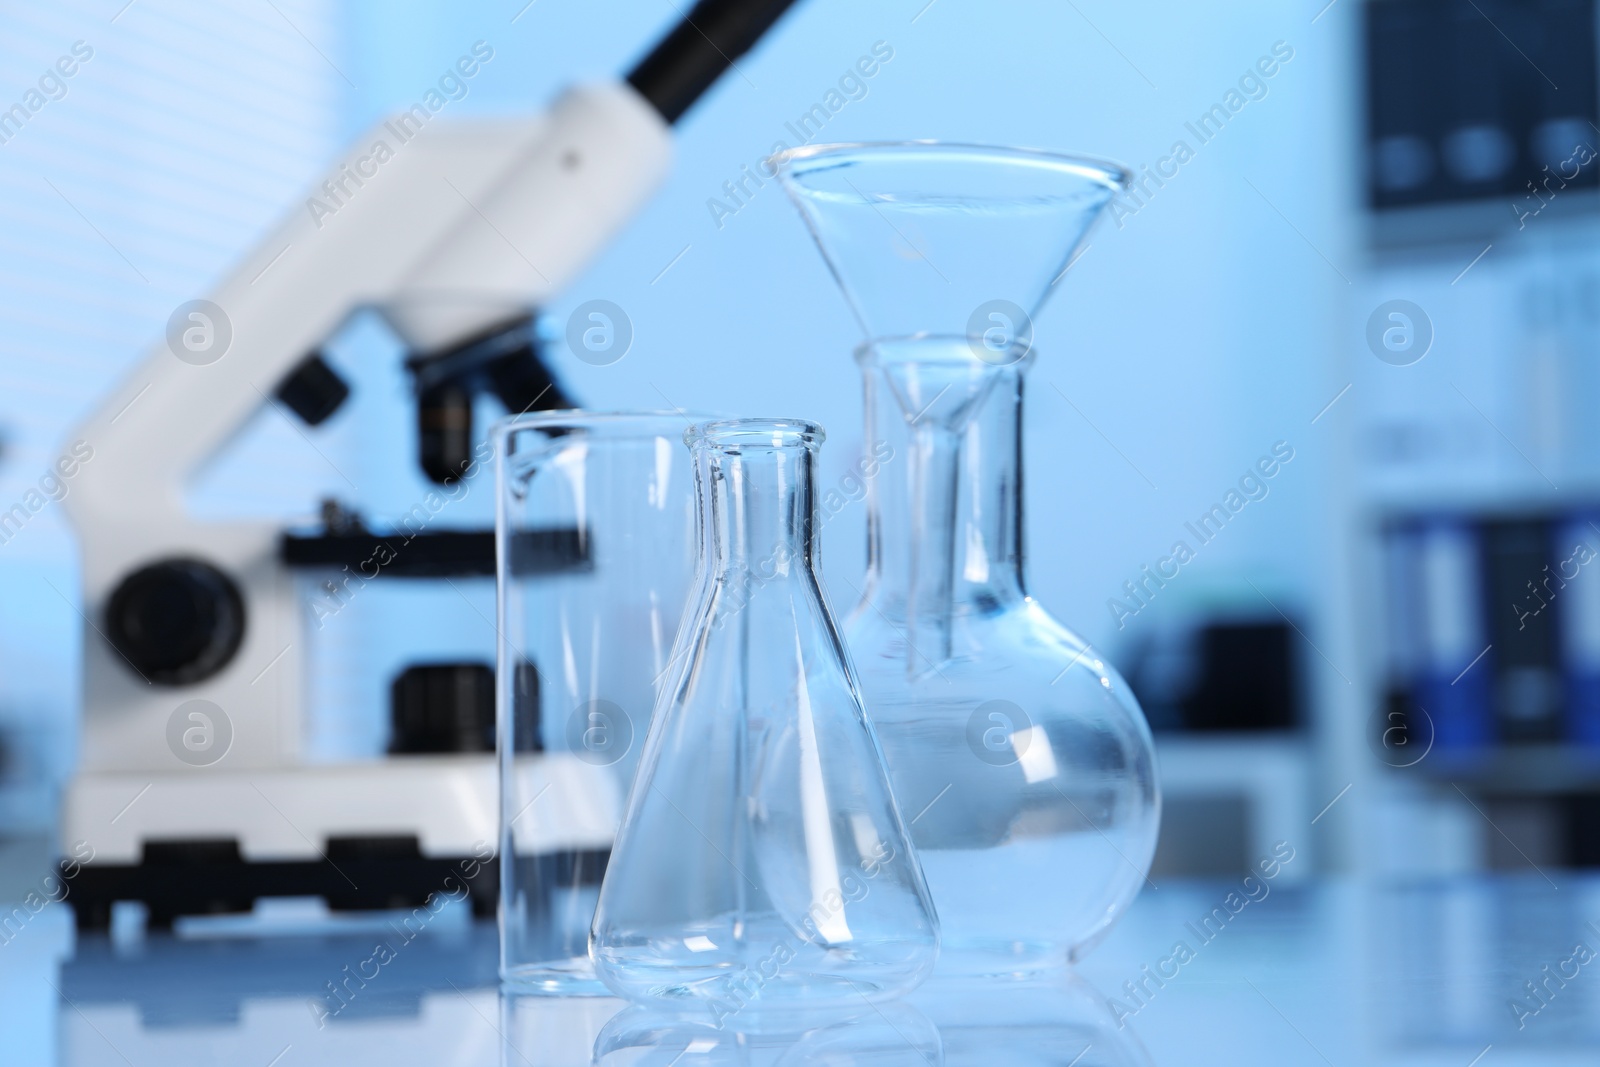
762, 860
1019, 755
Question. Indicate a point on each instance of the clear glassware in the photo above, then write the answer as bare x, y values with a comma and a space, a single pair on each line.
762, 861
1020, 756
582, 652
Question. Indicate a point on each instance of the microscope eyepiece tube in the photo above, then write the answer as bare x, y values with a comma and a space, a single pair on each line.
686, 63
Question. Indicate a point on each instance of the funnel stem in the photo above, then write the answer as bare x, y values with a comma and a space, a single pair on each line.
944, 526
935, 487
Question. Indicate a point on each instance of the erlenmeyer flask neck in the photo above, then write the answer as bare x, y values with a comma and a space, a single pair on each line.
758, 507
944, 522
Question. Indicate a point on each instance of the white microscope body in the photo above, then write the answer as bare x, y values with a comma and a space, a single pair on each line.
460, 228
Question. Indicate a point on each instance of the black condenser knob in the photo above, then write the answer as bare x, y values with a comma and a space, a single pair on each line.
176, 622
313, 390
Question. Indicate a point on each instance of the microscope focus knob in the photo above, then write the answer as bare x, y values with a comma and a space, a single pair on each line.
442, 707
177, 622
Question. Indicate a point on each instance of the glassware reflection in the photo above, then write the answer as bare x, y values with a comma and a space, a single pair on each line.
537, 1030
883, 1035
1047, 1019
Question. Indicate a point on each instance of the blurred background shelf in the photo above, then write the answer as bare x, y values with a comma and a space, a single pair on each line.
1519, 770
1229, 799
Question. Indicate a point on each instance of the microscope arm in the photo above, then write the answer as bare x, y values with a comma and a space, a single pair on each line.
459, 228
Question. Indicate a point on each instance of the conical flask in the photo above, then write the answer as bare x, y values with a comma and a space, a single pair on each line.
1021, 757
762, 860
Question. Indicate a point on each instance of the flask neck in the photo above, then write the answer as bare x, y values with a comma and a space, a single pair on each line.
944, 525
758, 510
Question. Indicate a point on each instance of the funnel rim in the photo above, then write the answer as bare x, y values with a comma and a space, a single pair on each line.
1112, 175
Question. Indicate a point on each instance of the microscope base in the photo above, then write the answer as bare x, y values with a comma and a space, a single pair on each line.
383, 834
210, 878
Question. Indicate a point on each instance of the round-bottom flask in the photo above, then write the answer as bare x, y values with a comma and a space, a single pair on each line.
1022, 761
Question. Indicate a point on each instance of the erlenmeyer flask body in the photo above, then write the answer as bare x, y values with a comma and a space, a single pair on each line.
762, 859
1021, 758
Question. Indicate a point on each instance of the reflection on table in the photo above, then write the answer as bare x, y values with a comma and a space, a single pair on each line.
1199, 973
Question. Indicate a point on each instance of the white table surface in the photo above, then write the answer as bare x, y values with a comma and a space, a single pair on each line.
1326, 973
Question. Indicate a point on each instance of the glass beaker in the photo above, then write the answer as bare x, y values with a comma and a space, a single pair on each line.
582, 651
1021, 758
762, 860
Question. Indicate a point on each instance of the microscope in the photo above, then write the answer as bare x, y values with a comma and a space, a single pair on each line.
194, 792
